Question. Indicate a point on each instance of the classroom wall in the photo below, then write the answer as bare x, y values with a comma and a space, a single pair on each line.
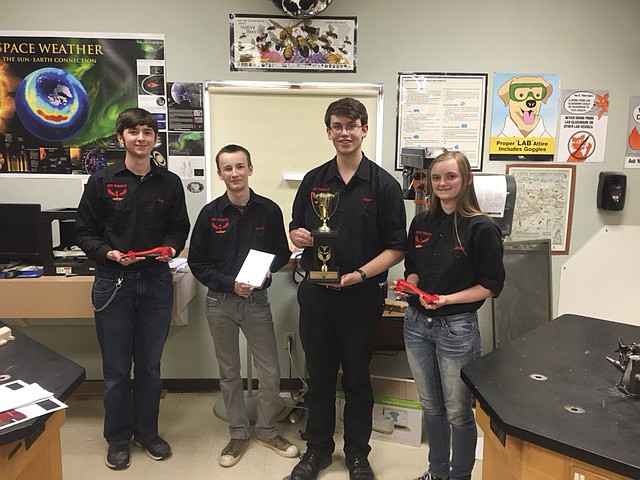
590, 43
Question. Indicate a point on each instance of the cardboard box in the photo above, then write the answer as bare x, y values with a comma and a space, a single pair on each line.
397, 412
402, 388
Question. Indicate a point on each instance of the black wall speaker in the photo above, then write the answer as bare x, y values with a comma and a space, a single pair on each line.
612, 190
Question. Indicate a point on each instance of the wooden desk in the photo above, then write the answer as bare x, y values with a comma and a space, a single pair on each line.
56, 297
31, 450
529, 434
390, 334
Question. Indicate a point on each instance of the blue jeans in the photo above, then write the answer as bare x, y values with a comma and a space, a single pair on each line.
132, 323
437, 349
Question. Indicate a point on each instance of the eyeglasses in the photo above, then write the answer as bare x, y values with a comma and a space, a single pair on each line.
521, 91
349, 127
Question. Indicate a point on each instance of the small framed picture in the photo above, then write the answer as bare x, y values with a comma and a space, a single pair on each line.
544, 203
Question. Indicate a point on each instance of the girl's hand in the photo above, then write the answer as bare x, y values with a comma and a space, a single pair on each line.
442, 300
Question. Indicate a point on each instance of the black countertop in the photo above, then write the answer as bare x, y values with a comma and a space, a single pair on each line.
30, 361
570, 351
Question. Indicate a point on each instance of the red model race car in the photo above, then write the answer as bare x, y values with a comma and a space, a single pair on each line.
154, 252
408, 288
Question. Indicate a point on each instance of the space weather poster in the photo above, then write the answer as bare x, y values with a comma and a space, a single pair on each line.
60, 95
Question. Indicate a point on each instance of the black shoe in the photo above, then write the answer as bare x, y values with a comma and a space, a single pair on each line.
156, 448
118, 457
428, 476
359, 468
309, 467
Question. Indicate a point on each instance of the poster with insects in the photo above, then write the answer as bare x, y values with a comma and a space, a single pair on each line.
269, 43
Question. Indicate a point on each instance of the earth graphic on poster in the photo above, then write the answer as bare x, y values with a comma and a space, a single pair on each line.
52, 104
301, 8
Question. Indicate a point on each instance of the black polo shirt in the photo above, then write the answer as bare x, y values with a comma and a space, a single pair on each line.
120, 211
370, 216
435, 255
224, 234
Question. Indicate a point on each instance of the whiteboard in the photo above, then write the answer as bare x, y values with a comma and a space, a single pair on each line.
282, 126
601, 279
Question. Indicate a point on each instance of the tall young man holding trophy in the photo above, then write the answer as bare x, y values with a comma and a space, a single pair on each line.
349, 218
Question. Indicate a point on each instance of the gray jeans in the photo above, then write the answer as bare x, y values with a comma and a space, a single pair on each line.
228, 313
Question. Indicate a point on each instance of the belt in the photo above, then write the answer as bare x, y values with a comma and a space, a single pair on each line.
348, 287
331, 287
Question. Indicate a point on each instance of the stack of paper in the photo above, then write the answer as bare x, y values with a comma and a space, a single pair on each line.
20, 401
255, 268
178, 263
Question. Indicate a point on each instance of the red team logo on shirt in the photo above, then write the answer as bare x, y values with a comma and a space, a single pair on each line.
421, 237
219, 224
117, 191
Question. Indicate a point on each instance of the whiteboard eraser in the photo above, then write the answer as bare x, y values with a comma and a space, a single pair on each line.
293, 175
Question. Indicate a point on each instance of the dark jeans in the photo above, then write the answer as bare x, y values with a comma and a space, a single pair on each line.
132, 323
338, 327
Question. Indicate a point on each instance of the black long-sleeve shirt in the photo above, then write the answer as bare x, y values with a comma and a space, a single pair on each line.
445, 266
118, 211
224, 234
370, 215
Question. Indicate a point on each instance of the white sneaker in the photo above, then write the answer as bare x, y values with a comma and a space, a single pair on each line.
280, 445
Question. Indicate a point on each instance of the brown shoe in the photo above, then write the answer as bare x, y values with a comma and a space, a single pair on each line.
280, 445
231, 454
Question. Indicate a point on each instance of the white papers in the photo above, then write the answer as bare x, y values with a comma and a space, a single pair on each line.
178, 263
18, 391
491, 191
14, 395
255, 268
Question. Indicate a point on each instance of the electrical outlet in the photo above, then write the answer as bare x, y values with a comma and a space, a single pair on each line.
289, 341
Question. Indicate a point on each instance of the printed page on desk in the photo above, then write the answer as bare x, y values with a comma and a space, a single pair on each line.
255, 268
28, 400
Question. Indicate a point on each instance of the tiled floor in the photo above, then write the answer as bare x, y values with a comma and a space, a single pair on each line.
197, 437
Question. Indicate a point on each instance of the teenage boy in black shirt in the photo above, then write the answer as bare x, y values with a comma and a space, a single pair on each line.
132, 206
338, 322
226, 229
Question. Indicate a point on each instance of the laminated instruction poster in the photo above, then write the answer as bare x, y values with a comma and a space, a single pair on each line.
583, 126
632, 148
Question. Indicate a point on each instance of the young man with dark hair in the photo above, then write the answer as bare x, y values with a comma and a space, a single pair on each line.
225, 231
338, 321
132, 205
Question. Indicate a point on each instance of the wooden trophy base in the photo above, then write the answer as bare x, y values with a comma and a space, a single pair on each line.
316, 276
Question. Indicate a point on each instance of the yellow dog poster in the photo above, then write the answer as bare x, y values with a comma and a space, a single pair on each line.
524, 116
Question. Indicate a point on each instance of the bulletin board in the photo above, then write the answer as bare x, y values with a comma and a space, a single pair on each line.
282, 126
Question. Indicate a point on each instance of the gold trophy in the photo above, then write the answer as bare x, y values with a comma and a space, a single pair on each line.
324, 240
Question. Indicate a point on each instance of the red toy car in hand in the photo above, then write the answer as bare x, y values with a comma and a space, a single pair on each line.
408, 288
154, 252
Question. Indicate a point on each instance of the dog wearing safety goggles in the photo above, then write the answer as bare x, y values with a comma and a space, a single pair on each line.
524, 96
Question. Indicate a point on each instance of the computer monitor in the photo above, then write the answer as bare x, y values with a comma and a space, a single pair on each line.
20, 236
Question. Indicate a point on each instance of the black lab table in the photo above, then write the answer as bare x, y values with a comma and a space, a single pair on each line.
31, 449
549, 406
